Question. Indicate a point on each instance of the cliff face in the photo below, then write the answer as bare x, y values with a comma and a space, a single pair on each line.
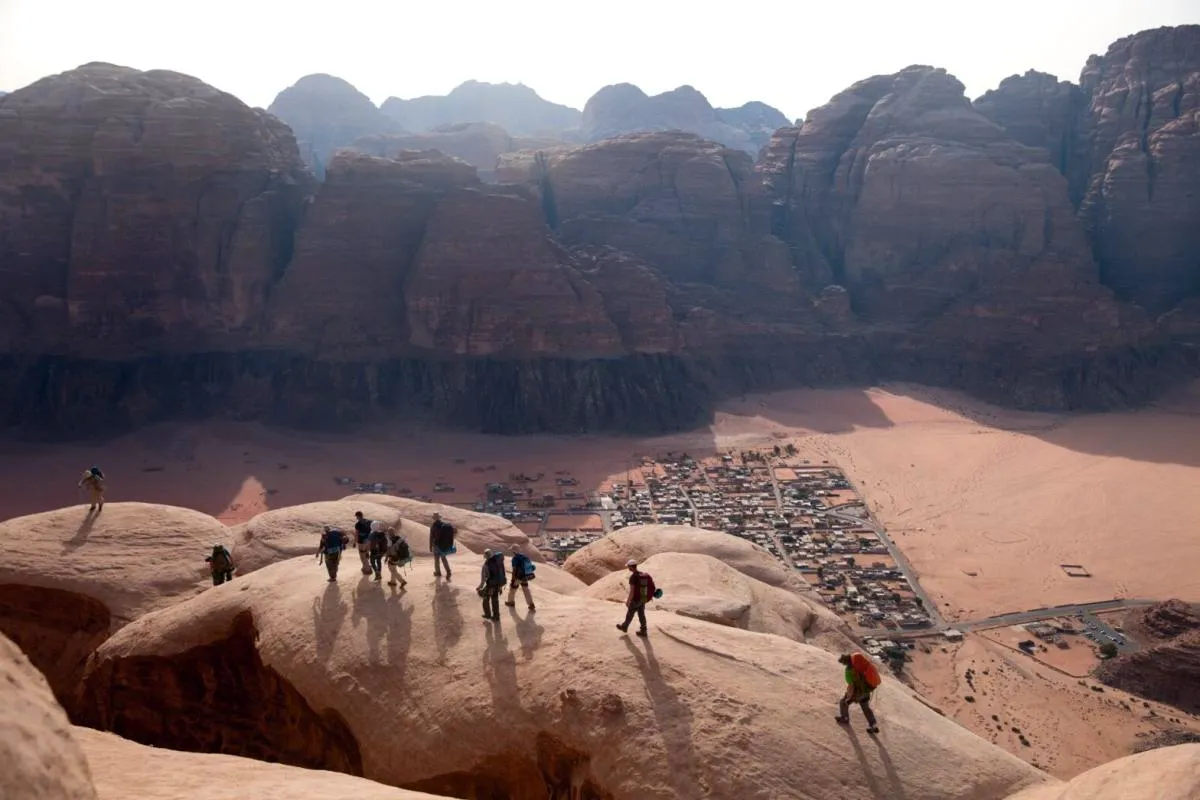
164, 251
1167, 669
1128, 140
326, 114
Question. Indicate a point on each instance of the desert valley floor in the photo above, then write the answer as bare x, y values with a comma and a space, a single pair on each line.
986, 503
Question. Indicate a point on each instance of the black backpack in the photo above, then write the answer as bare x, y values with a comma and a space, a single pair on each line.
495, 568
399, 552
444, 537
362, 530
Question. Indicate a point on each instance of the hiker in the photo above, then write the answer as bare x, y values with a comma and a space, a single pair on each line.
333, 542
861, 680
220, 564
378, 543
93, 479
522, 573
362, 536
641, 590
491, 583
398, 554
441, 544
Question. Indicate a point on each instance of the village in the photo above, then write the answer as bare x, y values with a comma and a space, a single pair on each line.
808, 516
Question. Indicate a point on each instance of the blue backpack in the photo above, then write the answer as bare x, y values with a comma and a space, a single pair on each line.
522, 567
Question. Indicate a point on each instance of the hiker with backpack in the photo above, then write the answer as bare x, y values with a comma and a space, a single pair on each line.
362, 538
398, 554
220, 564
333, 542
93, 479
641, 591
491, 583
441, 544
862, 678
378, 544
522, 574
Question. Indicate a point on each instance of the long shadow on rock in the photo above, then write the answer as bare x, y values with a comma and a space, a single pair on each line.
58, 630
329, 610
447, 619
673, 717
529, 632
895, 788
500, 670
81, 534
389, 623
217, 698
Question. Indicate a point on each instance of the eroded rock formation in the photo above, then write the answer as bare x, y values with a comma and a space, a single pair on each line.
1167, 668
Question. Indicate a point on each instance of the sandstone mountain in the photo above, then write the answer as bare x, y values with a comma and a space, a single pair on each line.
165, 251
480, 144
624, 108
41, 758
322, 675
327, 113
1167, 668
514, 107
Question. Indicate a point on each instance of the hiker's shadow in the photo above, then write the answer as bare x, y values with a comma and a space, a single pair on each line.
500, 668
529, 632
673, 717
399, 631
329, 610
81, 534
447, 619
895, 786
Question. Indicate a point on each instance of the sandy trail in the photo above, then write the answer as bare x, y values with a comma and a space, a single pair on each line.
964, 487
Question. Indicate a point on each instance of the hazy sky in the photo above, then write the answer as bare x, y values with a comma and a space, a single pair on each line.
793, 54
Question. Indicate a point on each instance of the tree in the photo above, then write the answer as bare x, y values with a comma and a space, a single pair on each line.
1108, 650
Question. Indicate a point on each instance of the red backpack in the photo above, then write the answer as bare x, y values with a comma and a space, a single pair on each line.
863, 666
646, 587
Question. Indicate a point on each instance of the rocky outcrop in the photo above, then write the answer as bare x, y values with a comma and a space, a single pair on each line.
140, 212
42, 760
624, 108
548, 704
326, 114
1137, 168
1169, 773
1168, 668
514, 107
479, 144
1038, 110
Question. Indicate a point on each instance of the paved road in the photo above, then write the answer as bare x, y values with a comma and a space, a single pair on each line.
1084, 610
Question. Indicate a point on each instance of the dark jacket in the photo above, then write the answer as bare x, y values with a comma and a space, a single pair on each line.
493, 574
441, 536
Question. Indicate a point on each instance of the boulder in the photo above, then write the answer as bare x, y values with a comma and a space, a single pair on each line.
124, 770
1169, 773
553, 703
640, 542
701, 587
71, 578
326, 114
42, 759
140, 212
514, 107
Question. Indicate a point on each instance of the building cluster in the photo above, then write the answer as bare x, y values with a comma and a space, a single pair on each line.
787, 506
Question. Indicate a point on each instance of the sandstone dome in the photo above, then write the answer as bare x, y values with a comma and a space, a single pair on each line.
293, 531
124, 770
70, 578
476, 531
702, 587
609, 554
1168, 773
413, 689
41, 760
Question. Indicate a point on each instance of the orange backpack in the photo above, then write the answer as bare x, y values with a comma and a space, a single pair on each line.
863, 666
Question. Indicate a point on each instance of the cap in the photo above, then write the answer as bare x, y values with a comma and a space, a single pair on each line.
487, 553
631, 562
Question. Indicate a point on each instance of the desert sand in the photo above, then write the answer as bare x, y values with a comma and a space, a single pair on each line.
1068, 726
559, 696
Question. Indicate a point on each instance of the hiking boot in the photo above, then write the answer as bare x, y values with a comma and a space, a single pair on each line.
873, 729
533, 608
391, 583
622, 628
642, 632
511, 605
842, 720
92, 507
333, 580
490, 618
447, 574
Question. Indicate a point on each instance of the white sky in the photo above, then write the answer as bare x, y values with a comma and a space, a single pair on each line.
793, 54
